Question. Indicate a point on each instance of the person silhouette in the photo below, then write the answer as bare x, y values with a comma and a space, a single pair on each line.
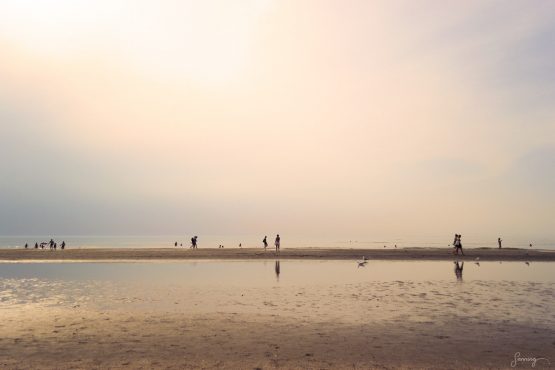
265, 242
277, 242
499, 240
175, 244
63, 245
26, 245
36, 245
458, 244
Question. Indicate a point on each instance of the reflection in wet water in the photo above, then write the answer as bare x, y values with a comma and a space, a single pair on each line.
334, 290
459, 270
278, 270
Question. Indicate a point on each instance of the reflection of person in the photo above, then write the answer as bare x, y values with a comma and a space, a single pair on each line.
458, 270
278, 270
499, 240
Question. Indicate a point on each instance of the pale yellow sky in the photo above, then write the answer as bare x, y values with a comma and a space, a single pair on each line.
309, 117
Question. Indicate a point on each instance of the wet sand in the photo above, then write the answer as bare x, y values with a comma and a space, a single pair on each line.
102, 340
109, 254
392, 324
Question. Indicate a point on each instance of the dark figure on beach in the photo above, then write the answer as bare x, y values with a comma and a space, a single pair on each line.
36, 245
457, 244
277, 242
265, 242
499, 240
55, 246
26, 245
530, 245
63, 245
240, 246
175, 244
459, 270
194, 242
278, 270
51, 243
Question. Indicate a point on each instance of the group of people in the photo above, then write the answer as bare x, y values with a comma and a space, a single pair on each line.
52, 244
277, 242
194, 243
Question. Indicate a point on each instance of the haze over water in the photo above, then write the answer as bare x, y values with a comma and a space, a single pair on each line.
255, 241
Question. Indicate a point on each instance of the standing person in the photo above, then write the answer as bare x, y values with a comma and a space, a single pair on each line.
499, 240
265, 242
458, 245
63, 245
195, 246
455, 243
36, 245
277, 242
175, 244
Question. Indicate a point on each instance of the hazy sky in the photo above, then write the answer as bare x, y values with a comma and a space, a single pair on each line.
344, 118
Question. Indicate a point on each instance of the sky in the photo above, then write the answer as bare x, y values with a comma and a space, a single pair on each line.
315, 118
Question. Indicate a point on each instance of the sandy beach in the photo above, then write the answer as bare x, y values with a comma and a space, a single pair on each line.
62, 339
108, 254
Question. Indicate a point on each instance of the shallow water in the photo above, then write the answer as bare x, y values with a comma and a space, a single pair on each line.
271, 273
428, 291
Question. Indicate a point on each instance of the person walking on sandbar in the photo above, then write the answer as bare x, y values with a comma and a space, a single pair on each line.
277, 243
458, 244
499, 240
265, 242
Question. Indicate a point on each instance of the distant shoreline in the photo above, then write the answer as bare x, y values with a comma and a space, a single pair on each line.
180, 253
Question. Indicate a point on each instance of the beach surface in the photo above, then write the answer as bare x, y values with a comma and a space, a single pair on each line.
117, 254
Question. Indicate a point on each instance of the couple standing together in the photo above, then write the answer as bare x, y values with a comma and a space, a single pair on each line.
276, 243
457, 244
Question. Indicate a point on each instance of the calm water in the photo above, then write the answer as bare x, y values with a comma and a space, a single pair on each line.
229, 241
271, 273
338, 291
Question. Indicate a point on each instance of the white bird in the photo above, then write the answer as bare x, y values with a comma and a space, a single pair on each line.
361, 263
477, 259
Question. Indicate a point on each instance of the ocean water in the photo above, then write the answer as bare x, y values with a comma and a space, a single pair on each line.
287, 241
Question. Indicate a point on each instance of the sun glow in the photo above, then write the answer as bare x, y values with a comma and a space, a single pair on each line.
207, 42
